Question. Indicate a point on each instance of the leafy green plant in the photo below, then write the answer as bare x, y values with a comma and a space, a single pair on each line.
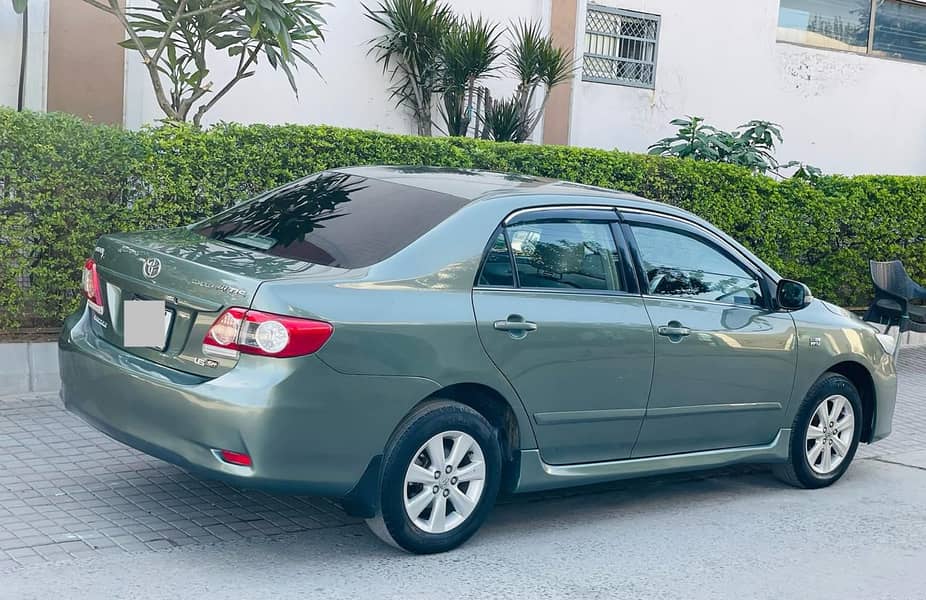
751, 145
175, 37
694, 139
469, 52
410, 51
64, 182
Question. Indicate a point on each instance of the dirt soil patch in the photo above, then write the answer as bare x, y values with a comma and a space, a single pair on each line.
29, 334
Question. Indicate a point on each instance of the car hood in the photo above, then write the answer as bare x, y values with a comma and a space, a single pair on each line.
846, 314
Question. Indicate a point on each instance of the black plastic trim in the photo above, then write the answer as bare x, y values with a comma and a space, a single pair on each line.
362, 500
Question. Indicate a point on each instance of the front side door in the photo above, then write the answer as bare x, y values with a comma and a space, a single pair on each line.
558, 313
724, 359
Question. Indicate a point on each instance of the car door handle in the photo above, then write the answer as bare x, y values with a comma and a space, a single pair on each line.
515, 324
673, 330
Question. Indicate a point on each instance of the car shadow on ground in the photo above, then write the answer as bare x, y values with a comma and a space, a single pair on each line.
544, 512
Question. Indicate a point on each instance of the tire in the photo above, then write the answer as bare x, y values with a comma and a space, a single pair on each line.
807, 466
414, 442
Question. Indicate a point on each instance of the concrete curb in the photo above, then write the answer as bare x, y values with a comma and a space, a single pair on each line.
30, 367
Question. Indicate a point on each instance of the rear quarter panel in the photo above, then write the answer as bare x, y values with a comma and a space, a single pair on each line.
412, 314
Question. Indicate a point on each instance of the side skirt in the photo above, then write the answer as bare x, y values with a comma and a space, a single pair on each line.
536, 475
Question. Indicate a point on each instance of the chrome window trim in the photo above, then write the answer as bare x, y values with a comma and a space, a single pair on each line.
761, 309
558, 291
602, 207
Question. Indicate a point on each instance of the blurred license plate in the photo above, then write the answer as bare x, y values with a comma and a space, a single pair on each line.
147, 324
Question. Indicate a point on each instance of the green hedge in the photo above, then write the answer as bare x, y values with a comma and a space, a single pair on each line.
65, 182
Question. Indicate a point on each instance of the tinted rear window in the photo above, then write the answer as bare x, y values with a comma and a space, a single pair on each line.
333, 219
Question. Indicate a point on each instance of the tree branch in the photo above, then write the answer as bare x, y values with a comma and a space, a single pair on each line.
119, 13
239, 75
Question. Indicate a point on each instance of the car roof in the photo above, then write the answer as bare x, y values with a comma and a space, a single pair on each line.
476, 184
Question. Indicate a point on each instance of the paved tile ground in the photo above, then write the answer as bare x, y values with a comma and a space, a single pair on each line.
909, 429
68, 491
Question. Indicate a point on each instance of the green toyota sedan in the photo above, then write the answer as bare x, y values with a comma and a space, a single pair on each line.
414, 341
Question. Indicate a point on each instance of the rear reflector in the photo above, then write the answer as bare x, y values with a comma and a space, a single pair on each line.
265, 334
235, 458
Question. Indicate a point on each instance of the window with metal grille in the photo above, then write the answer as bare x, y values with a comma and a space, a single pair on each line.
620, 46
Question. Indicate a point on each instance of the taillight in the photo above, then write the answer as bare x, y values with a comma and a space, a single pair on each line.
254, 332
90, 286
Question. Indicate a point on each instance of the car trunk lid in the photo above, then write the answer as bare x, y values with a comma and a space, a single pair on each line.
195, 277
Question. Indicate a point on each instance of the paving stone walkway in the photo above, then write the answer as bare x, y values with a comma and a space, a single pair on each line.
68, 491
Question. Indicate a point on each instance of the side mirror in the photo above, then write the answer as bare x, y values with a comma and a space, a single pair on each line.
793, 295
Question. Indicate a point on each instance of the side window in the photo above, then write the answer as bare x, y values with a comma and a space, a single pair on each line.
566, 254
682, 265
496, 270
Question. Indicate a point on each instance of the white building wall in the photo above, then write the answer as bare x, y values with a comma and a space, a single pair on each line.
36, 58
352, 90
719, 59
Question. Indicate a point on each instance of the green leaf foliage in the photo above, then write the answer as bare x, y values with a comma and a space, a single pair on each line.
751, 145
64, 182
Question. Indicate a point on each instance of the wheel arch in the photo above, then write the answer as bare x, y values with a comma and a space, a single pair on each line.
500, 413
514, 435
861, 378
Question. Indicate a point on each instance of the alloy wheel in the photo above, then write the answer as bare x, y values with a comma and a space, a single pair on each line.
829, 434
444, 482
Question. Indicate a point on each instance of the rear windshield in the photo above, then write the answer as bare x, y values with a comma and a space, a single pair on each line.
333, 219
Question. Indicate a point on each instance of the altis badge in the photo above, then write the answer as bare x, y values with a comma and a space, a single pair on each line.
221, 287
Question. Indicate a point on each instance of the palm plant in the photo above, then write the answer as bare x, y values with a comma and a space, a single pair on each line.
536, 62
504, 121
468, 53
410, 50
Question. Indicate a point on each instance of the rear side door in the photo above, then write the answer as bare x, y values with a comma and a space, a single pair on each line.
724, 359
558, 312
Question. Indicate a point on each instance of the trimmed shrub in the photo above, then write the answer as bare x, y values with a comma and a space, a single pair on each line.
63, 183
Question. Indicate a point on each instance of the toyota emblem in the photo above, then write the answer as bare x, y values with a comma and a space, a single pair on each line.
151, 268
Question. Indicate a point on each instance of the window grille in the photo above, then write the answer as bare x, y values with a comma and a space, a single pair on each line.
620, 46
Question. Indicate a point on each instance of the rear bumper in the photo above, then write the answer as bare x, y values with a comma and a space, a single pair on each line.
308, 428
